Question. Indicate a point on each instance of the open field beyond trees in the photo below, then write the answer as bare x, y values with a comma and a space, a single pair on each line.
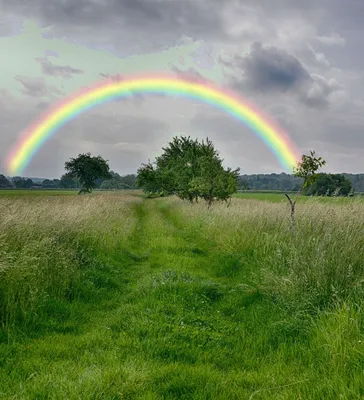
115, 296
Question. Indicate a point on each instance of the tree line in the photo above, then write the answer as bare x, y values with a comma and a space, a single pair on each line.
116, 182
289, 182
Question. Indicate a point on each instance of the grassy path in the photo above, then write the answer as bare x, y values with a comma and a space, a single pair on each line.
171, 322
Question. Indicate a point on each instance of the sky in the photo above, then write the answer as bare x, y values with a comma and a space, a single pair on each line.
299, 62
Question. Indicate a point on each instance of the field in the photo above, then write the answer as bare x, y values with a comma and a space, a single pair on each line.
114, 296
35, 192
278, 197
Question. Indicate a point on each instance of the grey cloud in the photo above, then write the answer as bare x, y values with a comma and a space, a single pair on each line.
320, 91
62, 71
36, 87
178, 17
267, 69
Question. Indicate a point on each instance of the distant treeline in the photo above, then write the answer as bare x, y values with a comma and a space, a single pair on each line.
117, 182
278, 182
286, 182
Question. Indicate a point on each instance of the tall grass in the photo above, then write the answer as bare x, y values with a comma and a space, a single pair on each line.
317, 265
46, 245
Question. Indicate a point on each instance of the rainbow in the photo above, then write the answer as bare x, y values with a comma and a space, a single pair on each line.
43, 129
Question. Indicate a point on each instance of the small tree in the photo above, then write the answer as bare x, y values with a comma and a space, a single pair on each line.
307, 170
87, 170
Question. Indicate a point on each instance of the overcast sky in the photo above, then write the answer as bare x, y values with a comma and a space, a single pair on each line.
300, 62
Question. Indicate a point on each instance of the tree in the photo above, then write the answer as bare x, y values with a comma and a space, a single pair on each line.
329, 184
307, 170
87, 170
190, 170
213, 182
150, 180
4, 182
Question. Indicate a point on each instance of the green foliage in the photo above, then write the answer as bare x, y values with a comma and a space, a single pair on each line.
87, 170
22, 183
308, 167
329, 184
4, 182
190, 170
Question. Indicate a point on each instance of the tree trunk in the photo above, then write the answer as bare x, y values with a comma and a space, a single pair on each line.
293, 206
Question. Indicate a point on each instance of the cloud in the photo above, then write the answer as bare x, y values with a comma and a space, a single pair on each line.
268, 69
62, 71
175, 18
36, 87
333, 40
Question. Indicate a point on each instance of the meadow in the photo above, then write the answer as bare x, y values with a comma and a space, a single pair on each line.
35, 192
115, 296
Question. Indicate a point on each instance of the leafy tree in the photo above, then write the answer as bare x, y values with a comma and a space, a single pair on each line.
329, 184
4, 182
150, 179
190, 170
307, 170
213, 182
87, 170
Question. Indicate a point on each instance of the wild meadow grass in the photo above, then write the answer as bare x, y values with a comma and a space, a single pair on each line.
271, 196
115, 296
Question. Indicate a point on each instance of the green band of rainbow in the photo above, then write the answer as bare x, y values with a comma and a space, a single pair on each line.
34, 137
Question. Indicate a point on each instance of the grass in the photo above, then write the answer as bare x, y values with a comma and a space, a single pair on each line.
113, 296
280, 197
35, 192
